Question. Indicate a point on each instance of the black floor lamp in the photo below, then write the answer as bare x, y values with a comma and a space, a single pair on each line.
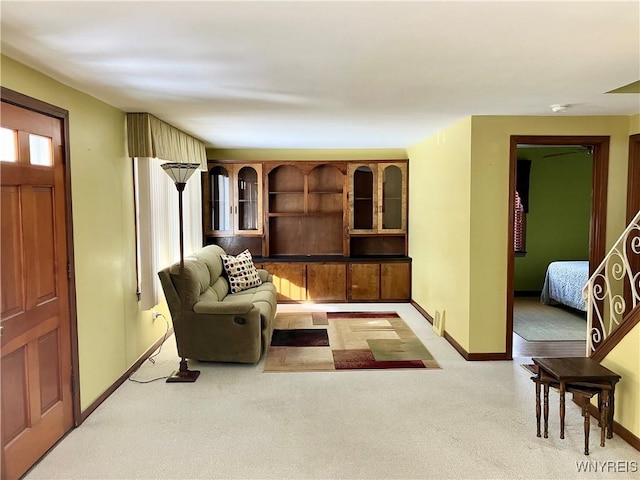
180, 174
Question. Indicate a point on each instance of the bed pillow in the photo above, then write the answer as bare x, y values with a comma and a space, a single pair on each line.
241, 271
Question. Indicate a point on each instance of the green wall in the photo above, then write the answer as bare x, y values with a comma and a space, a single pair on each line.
559, 212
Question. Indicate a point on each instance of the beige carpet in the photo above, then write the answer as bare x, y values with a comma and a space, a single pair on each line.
536, 322
468, 420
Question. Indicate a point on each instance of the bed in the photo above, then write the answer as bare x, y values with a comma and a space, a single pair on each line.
563, 283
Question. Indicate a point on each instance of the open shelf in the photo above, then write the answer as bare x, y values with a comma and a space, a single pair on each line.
380, 245
330, 203
236, 244
291, 202
326, 178
303, 214
305, 235
350, 209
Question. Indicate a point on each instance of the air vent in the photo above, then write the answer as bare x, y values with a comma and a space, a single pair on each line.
438, 322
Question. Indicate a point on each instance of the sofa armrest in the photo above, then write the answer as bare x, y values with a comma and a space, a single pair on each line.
224, 308
265, 276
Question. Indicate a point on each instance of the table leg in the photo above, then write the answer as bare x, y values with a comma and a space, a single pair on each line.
604, 415
562, 392
587, 426
546, 410
537, 408
611, 406
600, 409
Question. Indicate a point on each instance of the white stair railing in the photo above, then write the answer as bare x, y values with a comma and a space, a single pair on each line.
604, 293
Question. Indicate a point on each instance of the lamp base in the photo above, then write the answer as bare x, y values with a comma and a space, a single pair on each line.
184, 376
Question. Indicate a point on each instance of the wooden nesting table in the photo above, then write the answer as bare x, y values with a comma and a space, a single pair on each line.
582, 376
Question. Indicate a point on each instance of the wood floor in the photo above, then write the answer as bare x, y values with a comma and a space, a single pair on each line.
522, 348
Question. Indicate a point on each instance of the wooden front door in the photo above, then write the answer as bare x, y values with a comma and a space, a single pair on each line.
35, 366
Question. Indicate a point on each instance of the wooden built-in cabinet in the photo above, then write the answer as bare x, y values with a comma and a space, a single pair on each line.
305, 280
306, 209
395, 281
364, 281
327, 282
378, 198
380, 281
232, 206
290, 280
377, 208
323, 229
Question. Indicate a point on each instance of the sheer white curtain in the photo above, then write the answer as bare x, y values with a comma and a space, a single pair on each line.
157, 224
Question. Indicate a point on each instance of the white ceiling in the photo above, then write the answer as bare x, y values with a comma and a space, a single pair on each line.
332, 74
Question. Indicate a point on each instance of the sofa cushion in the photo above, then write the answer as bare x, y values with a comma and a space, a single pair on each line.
241, 272
196, 279
221, 287
211, 256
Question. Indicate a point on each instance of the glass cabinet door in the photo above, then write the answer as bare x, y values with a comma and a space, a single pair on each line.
363, 200
221, 195
393, 198
248, 199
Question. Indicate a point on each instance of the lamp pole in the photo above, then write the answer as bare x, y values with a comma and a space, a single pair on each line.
180, 173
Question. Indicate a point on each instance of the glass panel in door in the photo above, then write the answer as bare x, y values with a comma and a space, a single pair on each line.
363, 193
220, 199
247, 199
392, 198
8, 145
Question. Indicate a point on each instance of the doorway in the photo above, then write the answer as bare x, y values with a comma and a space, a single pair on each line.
599, 147
38, 363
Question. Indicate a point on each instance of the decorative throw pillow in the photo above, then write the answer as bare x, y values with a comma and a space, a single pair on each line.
241, 271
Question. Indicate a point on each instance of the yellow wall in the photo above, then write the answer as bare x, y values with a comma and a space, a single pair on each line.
112, 332
634, 124
489, 207
439, 225
625, 361
251, 154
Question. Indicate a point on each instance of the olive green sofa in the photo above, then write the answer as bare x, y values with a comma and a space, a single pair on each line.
218, 326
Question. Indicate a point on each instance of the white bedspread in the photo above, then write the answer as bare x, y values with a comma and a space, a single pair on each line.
564, 282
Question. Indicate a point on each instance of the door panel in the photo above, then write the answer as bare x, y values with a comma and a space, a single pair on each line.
12, 268
43, 246
327, 282
289, 279
392, 195
35, 363
14, 408
48, 356
396, 281
364, 281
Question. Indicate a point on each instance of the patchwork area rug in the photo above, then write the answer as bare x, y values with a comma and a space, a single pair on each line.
321, 341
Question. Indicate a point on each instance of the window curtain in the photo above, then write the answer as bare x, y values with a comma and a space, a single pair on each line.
157, 223
148, 136
151, 142
518, 225
523, 172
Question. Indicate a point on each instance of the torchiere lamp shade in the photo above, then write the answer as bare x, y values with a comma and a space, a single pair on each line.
180, 172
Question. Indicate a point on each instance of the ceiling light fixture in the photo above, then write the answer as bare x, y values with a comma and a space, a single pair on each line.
557, 108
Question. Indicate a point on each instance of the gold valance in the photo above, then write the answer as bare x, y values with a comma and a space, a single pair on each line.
148, 136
